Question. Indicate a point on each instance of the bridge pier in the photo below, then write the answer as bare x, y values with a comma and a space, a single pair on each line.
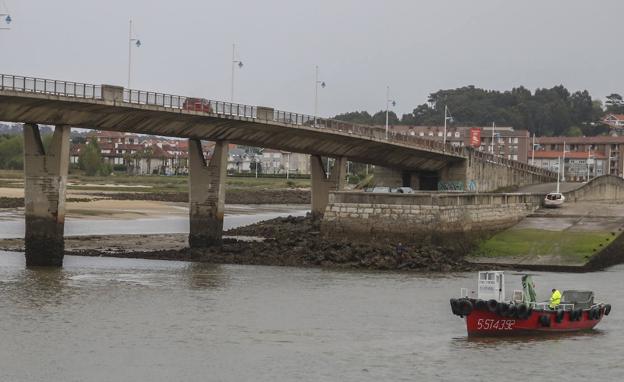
206, 194
321, 184
45, 182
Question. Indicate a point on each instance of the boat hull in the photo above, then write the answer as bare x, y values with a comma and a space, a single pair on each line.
487, 323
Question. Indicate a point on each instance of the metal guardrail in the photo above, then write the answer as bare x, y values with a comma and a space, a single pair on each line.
220, 108
40, 85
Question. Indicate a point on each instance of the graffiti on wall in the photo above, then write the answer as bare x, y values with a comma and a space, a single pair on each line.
472, 186
451, 186
457, 186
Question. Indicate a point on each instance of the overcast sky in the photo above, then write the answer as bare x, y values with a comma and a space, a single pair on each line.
416, 47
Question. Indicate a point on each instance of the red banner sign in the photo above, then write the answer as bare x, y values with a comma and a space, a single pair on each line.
475, 137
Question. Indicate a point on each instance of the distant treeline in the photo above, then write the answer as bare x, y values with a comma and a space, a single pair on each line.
545, 112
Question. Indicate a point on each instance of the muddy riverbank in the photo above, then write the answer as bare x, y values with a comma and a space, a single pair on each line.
233, 196
288, 241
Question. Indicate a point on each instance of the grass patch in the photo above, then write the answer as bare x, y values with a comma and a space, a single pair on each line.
11, 174
575, 247
153, 183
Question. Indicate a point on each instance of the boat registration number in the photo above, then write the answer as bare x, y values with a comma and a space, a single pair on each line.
490, 323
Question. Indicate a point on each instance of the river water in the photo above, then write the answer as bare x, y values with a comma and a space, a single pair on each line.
104, 319
108, 319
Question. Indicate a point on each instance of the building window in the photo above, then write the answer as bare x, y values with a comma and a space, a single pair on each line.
431, 134
439, 133
457, 134
421, 134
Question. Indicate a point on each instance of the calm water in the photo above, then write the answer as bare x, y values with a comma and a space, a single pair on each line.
103, 319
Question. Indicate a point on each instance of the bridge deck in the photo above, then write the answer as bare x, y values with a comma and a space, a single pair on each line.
42, 101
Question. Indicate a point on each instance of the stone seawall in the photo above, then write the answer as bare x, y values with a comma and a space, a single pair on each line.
422, 215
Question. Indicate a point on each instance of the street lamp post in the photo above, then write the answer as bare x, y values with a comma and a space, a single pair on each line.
317, 82
388, 101
447, 117
493, 130
288, 167
588, 158
137, 43
235, 63
533, 151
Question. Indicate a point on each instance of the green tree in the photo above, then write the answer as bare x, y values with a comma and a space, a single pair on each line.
11, 152
90, 159
379, 118
361, 117
614, 103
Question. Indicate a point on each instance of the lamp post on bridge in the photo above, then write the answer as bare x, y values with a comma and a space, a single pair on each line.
388, 101
235, 63
447, 117
317, 82
6, 17
137, 43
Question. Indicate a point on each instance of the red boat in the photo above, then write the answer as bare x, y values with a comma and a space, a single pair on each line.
489, 314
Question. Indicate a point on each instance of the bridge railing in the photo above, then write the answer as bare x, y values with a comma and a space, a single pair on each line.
200, 105
46, 86
211, 107
363, 130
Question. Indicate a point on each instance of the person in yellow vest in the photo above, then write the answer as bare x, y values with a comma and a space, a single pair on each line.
555, 298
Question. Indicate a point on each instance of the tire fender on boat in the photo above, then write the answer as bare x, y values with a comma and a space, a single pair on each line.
501, 308
607, 309
544, 320
455, 306
512, 311
492, 305
559, 315
523, 312
594, 314
465, 307
578, 314
481, 305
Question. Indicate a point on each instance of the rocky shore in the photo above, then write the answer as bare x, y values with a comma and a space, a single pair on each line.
289, 241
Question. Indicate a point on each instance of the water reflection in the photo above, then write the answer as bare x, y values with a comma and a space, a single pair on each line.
205, 276
34, 288
522, 339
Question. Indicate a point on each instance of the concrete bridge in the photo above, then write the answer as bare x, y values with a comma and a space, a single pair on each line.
64, 104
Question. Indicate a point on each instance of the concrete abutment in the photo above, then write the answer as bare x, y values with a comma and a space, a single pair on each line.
206, 194
45, 182
322, 184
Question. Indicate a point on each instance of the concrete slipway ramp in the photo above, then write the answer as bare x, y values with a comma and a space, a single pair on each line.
586, 233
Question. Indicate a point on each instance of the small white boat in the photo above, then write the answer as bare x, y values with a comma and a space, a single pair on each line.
554, 199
